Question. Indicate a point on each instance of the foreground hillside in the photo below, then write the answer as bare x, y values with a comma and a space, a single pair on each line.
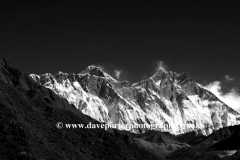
28, 117
223, 144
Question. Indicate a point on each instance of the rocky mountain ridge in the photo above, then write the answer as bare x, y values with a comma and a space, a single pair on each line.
167, 99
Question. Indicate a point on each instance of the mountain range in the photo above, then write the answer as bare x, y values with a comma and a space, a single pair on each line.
173, 102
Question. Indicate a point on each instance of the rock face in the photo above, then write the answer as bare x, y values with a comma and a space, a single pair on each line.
166, 99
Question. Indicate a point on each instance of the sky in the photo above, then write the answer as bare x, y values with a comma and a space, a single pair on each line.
128, 39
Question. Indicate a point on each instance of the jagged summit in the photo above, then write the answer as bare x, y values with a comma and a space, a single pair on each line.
98, 71
91, 68
160, 71
61, 73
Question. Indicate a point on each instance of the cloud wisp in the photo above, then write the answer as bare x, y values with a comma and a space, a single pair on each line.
117, 73
160, 65
232, 98
228, 78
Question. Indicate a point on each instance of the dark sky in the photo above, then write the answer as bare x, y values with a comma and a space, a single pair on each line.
202, 39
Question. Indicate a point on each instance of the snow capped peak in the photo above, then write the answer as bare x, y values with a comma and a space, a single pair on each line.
91, 68
61, 73
98, 71
162, 69
94, 66
47, 75
159, 74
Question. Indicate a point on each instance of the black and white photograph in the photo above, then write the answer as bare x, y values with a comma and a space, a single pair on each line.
119, 80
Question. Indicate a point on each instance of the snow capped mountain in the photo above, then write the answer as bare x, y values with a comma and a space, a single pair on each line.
165, 98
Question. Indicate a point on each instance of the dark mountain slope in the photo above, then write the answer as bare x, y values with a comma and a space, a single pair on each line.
222, 144
161, 143
28, 117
